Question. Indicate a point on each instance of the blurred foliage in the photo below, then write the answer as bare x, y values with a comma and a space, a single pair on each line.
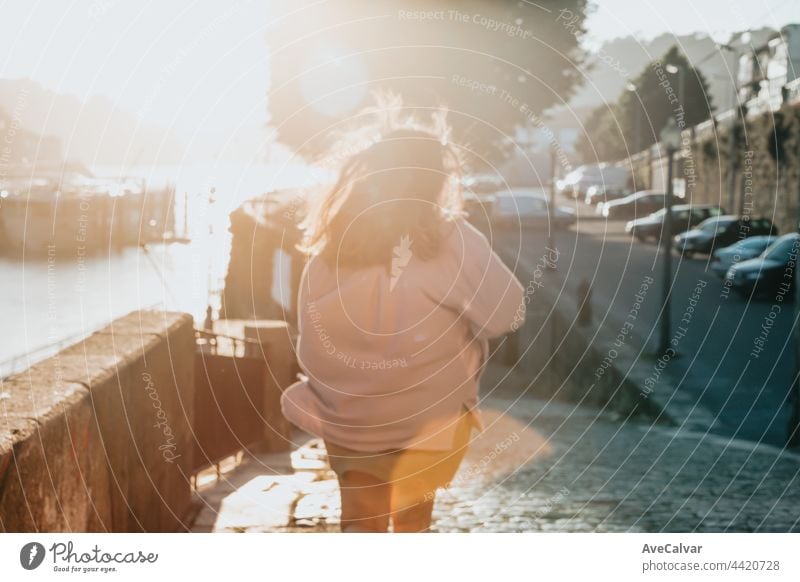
495, 64
614, 132
603, 137
781, 133
709, 150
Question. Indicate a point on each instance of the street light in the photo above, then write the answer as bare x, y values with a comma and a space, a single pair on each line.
680, 71
671, 140
637, 128
641, 109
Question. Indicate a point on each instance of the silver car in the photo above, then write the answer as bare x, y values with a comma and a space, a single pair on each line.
743, 250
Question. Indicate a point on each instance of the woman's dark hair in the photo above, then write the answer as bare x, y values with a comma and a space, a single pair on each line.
399, 184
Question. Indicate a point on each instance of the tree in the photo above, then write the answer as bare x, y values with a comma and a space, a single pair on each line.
657, 96
602, 139
495, 64
613, 132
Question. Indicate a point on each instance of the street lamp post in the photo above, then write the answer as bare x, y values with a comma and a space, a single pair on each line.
793, 432
208, 324
640, 111
552, 206
735, 111
671, 139
637, 138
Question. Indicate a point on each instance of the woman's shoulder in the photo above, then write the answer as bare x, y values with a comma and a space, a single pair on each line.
464, 238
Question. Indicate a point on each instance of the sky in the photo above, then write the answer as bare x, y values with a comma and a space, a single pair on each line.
201, 67
647, 19
198, 68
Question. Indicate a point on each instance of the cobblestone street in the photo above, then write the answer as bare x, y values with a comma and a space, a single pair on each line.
600, 475
542, 467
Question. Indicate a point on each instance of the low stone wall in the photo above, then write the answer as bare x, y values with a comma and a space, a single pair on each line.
98, 437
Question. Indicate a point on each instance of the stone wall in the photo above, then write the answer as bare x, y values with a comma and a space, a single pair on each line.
98, 437
766, 166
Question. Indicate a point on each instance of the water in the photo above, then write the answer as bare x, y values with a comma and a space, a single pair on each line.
45, 306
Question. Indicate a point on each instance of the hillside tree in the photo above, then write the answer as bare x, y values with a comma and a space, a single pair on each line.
636, 120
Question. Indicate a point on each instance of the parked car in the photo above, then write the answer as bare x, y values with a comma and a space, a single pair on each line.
743, 250
769, 270
577, 183
721, 231
528, 208
580, 178
600, 194
684, 217
633, 206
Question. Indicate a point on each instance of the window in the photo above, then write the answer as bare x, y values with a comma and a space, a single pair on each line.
716, 225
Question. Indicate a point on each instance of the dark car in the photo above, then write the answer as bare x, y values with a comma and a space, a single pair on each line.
633, 206
684, 217
721, 231
770, 272
600, 194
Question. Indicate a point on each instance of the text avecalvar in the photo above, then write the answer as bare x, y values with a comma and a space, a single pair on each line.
671, 549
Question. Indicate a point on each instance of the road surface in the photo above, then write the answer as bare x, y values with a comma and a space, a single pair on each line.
745, 389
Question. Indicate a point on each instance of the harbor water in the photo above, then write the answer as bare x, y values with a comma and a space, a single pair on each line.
53, 300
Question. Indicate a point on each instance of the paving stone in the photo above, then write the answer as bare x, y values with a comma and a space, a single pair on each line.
264, 502
545, 466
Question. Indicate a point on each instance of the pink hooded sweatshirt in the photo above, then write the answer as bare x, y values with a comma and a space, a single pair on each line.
393, 356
